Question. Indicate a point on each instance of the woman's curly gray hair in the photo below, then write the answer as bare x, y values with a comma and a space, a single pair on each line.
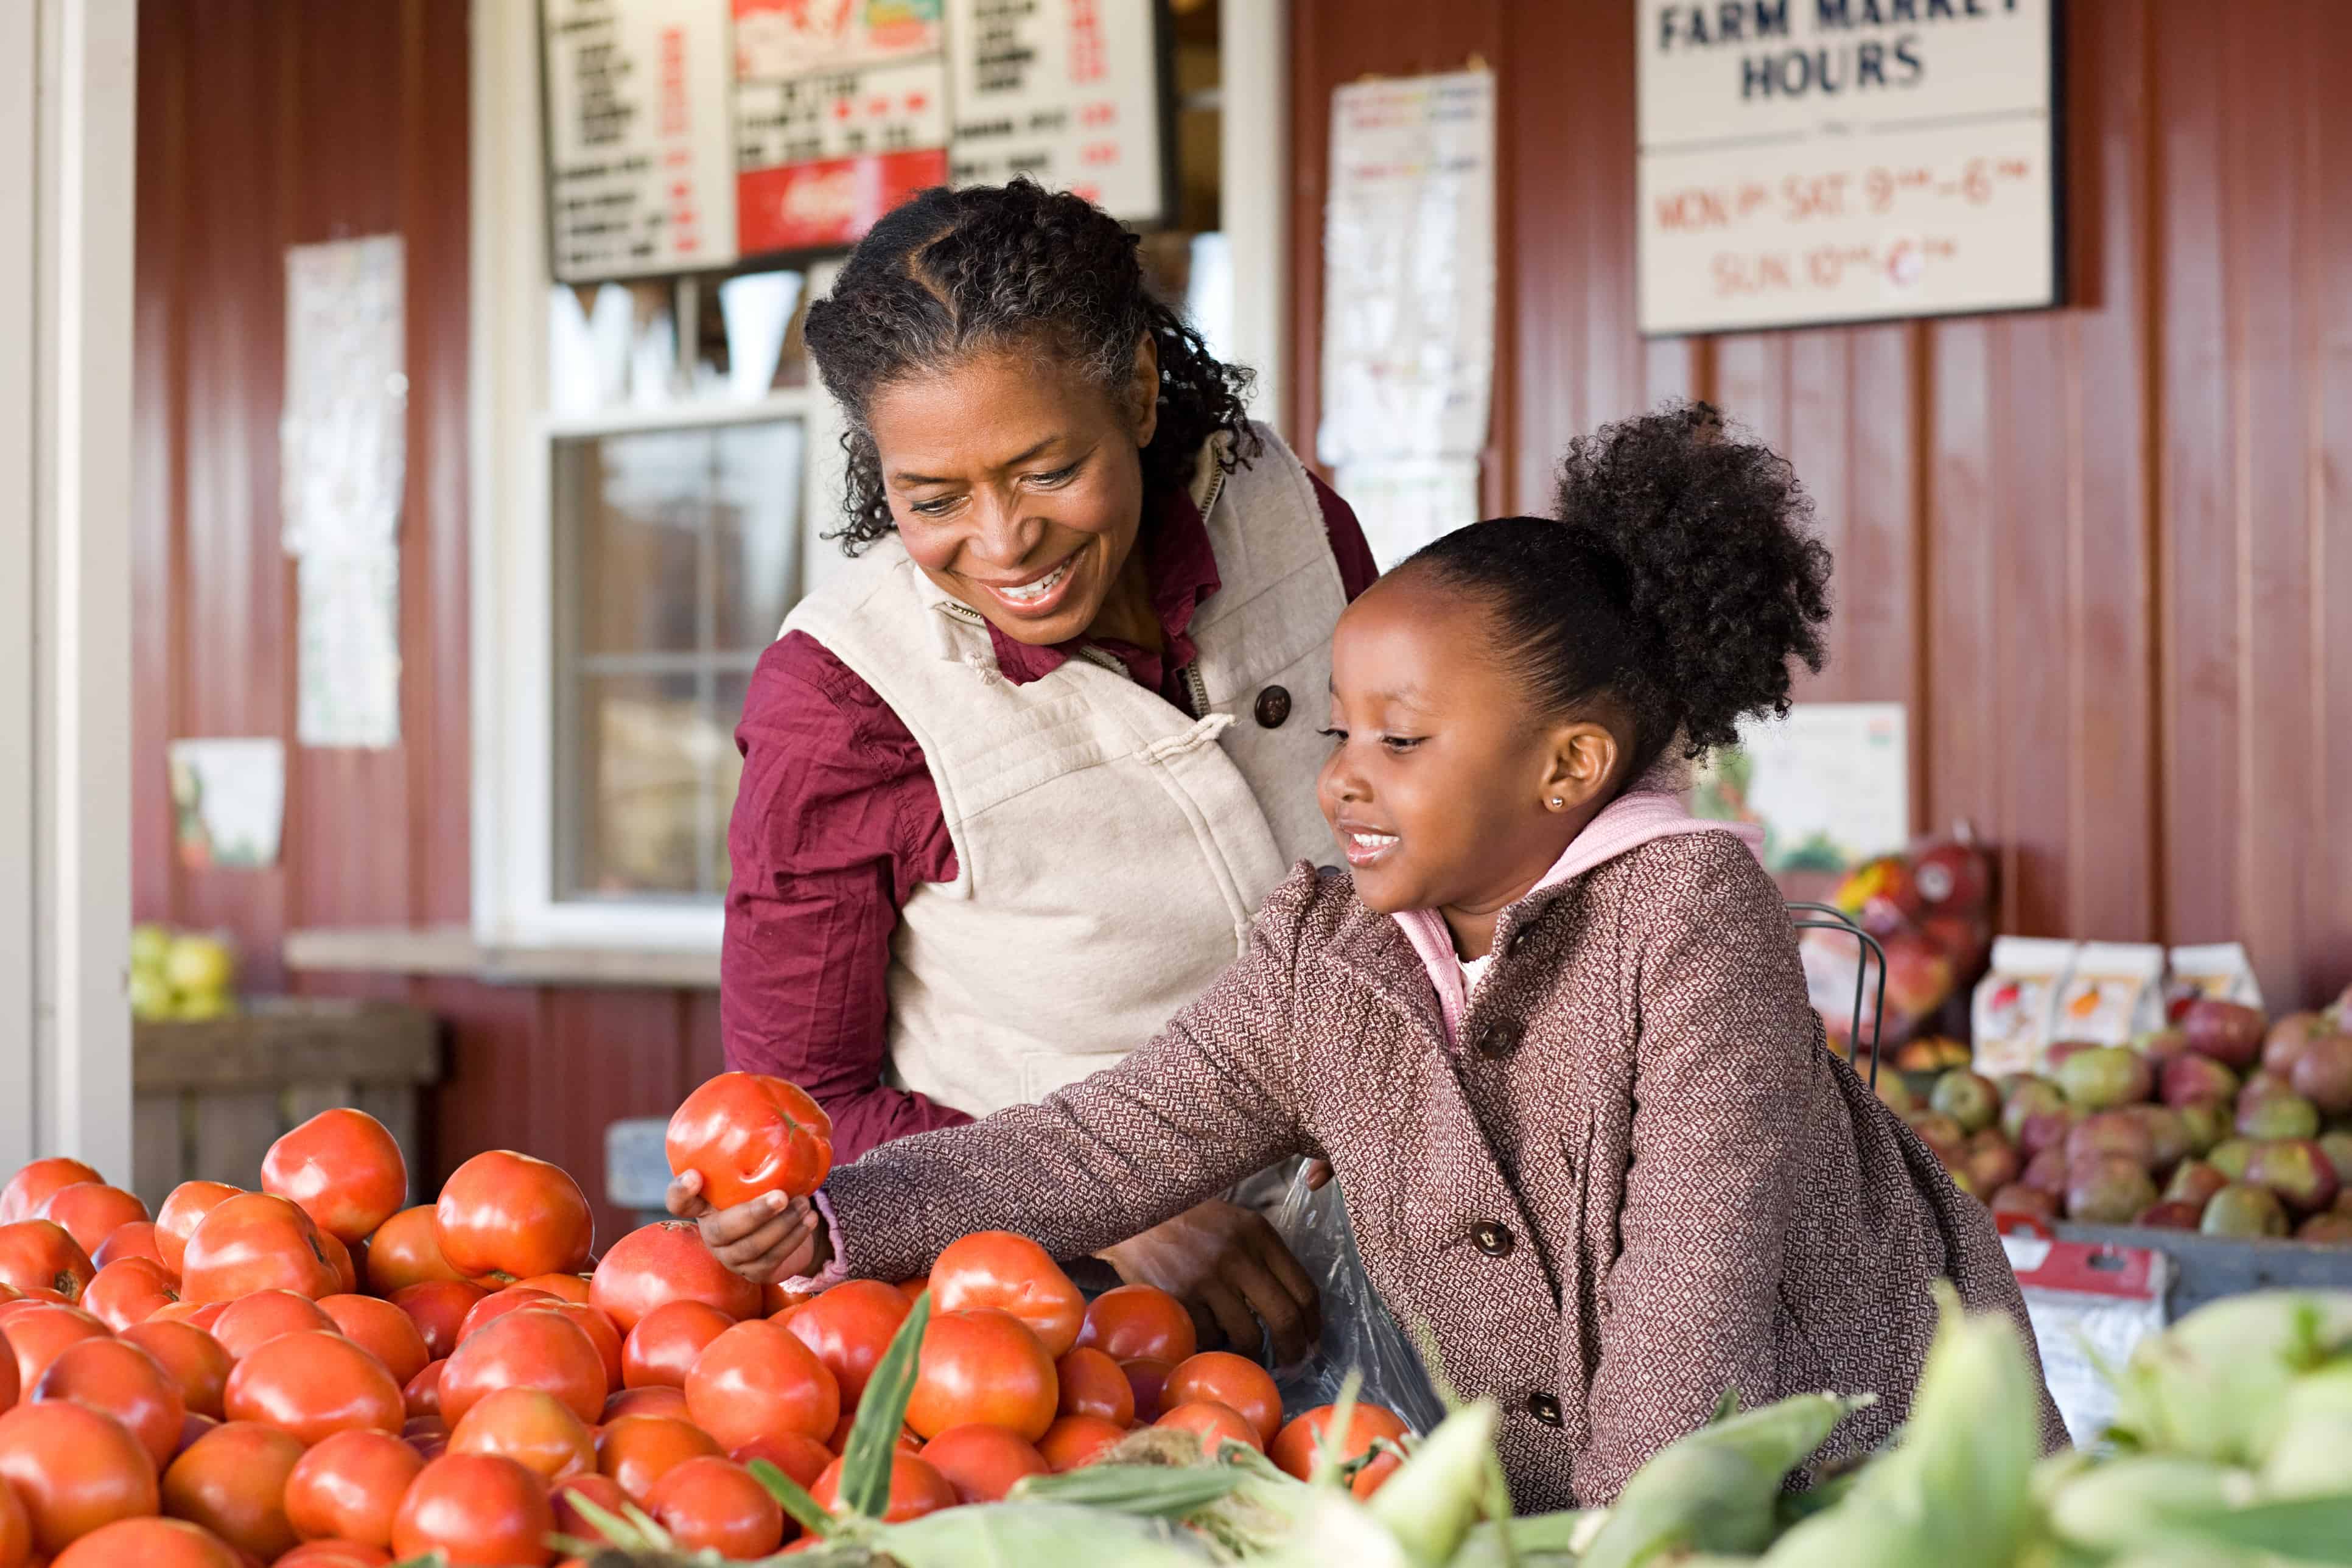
1011, 265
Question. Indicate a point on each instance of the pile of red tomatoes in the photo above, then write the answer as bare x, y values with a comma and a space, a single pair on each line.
313, 1376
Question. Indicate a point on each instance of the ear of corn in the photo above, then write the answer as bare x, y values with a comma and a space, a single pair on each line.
1430, 1503
866, 1459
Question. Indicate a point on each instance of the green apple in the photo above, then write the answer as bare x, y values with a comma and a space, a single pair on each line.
199, 963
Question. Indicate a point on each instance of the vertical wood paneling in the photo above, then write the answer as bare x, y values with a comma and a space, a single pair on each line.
2325, 153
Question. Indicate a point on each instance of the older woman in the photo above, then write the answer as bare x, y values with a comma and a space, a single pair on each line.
1013, 788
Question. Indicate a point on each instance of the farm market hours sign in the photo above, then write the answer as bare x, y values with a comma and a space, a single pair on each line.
1818, 161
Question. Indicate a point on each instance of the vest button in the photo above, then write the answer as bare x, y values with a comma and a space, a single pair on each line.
1545, 1408
1493, 1239
1499, 1039
1273, 706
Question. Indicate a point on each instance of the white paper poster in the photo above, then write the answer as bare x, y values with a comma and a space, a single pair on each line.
1404, 504
1065, 92
640, 157
1843, 160
343, 471
1830, 784
1409, 269
229, 797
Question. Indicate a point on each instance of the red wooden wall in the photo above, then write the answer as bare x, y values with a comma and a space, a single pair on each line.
265, 123
2104, 553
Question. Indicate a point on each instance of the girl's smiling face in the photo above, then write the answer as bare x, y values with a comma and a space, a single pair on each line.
1445, 788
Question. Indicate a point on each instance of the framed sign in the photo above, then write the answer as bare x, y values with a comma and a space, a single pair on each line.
1074, 94
640, 160
1805, 162
840, 113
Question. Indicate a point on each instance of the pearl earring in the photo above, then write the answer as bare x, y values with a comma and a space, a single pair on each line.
1557, 803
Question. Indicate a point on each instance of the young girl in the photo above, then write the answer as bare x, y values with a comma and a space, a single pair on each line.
1550, 1032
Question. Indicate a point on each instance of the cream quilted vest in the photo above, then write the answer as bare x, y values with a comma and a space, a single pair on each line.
1110, 849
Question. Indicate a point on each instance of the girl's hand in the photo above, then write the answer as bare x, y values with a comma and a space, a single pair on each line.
1229, 1267
770, 1238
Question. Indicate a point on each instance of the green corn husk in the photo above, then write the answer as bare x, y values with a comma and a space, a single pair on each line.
1718, 1490
1435, 1496
2213, 1385
1954, 1490
2132, 1502
1036, 1535
867, 1458
1154, 1492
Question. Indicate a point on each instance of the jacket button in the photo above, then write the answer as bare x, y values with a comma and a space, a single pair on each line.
1273, 706
1499, 1039
1494, 1240
1545, 1408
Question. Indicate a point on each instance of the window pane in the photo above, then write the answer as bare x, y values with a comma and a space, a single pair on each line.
647, 748
637, 506
755, 531
726, 712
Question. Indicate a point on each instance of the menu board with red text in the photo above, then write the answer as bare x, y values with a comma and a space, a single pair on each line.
1817, 160
1066, 92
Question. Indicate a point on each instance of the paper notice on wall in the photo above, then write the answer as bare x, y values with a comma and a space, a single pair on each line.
1404, 504
228, 797
344, 468
1830, 784
840, 113
1409, 269
1066, 92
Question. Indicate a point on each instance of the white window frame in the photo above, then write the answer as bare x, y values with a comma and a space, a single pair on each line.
512, 560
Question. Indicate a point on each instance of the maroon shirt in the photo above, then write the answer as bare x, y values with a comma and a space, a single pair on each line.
836, 820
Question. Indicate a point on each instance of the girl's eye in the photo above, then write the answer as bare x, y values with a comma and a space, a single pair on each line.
1400, 743
1336, 737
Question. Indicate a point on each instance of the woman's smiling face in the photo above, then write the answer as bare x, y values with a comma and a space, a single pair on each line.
1442, 778
1017, 484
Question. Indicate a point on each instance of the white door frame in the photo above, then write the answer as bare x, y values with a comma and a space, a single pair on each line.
69, 91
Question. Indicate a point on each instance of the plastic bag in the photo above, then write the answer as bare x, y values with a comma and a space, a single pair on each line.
1358, 1332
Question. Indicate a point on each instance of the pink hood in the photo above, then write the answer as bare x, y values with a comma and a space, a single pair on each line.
1652, 809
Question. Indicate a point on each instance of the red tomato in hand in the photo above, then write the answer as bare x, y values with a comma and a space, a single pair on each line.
983, 1462
757, 1380
345, 1169
1140, 1322
983, 1366
915, 1488
850, 1327
40, 1255
1013, 1274
507, 1214
637, 1451
439, 1308
666, 1262
405, 1251
74, 1469
480, 1510
231, 1480
1294, 1446
31, 1188
1216, 1425
534, 1429
662, 1349
196, 1361
184, 1209
749, 1134
349, 1487
538, 1348
151, 1543
129, 1291
1221, 1377
709, 1503
124, 1382
314, 1384
1075, 1442
1092, 1384
255, 1242
91, 1212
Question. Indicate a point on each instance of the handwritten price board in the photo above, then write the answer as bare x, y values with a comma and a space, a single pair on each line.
1817, 160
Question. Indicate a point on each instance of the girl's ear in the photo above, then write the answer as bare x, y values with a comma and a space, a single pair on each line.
1143, 392
1580, 763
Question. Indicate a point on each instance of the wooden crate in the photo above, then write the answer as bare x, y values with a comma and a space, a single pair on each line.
208, 1099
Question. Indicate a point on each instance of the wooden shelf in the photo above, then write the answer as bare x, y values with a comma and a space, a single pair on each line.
452, 951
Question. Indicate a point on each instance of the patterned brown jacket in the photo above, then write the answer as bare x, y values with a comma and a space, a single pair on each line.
1637, 1180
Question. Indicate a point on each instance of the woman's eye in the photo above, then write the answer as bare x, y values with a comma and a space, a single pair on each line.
939, 506
1058, 477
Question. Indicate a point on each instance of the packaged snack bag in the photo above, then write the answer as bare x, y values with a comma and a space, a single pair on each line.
2219, 969
2015, 1003
2114, 995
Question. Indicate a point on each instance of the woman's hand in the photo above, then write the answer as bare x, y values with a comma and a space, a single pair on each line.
1231, 1271
770, 1238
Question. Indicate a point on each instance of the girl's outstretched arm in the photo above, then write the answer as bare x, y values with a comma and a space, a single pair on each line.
1724, 1056
1213, 1099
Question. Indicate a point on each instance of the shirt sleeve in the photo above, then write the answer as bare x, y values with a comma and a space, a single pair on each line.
1358, 570
836, 820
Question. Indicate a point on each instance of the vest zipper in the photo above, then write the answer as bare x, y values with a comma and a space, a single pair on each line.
1197, 687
